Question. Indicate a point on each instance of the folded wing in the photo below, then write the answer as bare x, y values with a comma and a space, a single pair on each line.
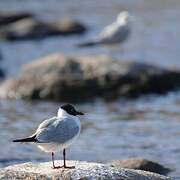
60, 131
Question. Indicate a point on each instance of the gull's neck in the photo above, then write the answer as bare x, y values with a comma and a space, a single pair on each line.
62, 113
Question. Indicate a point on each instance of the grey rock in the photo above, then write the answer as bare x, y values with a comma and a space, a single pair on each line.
141, 164
83, 171
80, 78
33, 28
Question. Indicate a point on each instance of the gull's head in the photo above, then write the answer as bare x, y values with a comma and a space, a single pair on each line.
123, 17
68, 109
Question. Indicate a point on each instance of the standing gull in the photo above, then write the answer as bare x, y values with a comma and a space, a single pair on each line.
113, 34
57, 133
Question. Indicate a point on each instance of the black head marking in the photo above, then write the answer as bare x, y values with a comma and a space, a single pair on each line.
71, 110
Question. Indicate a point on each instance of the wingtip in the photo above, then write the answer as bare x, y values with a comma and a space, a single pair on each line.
15, 140
29, 139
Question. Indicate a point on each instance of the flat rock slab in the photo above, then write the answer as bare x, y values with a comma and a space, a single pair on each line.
83, 171
58, 77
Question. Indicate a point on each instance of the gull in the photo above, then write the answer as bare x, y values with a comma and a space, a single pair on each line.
113, 34
57, 133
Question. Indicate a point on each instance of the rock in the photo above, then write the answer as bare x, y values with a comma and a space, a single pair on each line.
83, 171
79, 78
67, 26
28, 28
141, 164
32, 28
10, 17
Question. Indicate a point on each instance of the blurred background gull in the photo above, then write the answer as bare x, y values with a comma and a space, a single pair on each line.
124, 127
113, 34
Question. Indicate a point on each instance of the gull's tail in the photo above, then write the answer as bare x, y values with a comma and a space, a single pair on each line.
29, 139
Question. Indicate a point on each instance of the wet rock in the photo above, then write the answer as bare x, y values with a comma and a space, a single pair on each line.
32, 28
141, 164
83, 171
80, 78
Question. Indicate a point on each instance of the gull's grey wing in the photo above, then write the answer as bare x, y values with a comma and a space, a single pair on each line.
108, 31
47, 122
106, 36
43, 125
114, 34
60, 131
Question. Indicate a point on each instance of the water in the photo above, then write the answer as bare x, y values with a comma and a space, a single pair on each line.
147, 127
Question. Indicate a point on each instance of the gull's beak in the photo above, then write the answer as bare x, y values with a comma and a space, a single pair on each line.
79, 113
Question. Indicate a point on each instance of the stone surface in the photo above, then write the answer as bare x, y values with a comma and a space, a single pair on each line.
83, 171
79, 78
141, 164
32, 28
